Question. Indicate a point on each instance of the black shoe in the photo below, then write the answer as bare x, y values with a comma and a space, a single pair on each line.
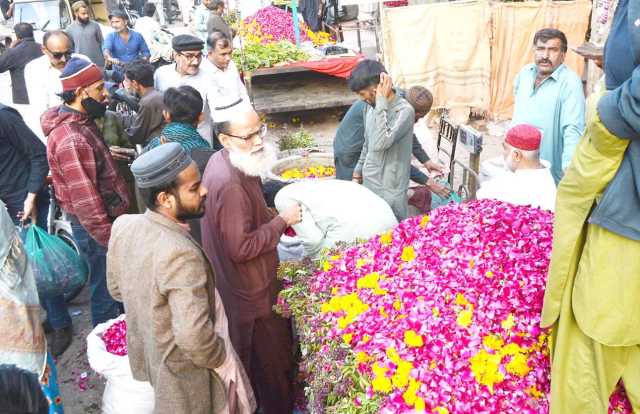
60, 341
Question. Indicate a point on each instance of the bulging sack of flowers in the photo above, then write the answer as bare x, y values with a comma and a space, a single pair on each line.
441, 315
107, 354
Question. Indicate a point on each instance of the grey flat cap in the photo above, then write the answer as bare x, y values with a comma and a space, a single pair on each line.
185, 42
160, 165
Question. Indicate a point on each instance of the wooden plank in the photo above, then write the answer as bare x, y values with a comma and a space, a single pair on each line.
299, 92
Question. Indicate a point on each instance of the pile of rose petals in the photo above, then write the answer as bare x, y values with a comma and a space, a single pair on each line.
442, 313
115, 338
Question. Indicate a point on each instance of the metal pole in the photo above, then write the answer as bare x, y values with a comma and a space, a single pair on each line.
296, 24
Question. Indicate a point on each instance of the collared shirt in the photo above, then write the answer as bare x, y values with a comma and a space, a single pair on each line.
534, 188
135, 47
15, 60
88, 39
84, 174
227, 93
556, 108
166, 77
43, 88
355, 212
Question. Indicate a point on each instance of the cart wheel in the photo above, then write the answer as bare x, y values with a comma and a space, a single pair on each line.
68, 239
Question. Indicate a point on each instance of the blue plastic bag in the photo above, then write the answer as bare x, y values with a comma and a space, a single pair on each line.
56, 266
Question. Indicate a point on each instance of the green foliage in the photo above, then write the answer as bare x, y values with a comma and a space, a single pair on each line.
298, 139
257, 55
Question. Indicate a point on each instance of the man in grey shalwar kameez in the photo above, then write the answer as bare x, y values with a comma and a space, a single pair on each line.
385, 160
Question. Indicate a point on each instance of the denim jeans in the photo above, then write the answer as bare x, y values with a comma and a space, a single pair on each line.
103, 306
57, 313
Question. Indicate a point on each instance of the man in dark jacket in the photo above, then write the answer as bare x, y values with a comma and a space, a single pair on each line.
23, 169
593, 288
22, 51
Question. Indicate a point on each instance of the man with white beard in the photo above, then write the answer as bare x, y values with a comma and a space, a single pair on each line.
240, 236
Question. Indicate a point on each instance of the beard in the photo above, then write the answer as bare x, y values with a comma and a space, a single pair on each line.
256, 164
183, 214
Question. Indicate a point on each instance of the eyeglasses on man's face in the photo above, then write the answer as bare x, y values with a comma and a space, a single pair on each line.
262, 132
191, 56
59, 55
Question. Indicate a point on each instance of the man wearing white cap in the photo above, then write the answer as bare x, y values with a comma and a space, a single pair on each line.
528, 180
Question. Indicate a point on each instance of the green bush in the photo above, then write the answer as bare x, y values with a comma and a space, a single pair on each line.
298, 139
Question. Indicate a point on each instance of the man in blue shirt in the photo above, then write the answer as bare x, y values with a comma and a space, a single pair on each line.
550, 96
123, 45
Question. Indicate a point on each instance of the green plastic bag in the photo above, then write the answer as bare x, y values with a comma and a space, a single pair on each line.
56, 266
437, 201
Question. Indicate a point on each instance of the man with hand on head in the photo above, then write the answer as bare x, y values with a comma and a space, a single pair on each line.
186, 71
240, 236
385, 161
528, 180
169, 289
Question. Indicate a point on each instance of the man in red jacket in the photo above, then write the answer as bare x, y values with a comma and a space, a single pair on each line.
85, 178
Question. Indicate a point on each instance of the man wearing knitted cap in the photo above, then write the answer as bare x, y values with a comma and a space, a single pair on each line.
528, 180
166, 282
187, 52
84, 174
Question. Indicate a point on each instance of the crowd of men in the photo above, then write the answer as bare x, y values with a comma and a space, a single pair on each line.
196, 271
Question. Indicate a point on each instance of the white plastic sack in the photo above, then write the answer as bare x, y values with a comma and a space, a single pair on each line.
122, 393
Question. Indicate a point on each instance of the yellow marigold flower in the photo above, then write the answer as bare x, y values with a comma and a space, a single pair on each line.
472, 263
361, 357
508, 323
512, 349
335, 257
381, 384
408, 254
461, 300
397, 305
465, 317
342, 322
366, 338
400, 378
347, 338
380, 292
325, 308
326, 266
393, 355
424, 220
419, 405
386, 238
409, 396
360, 263
485, 368
334, 290
489, 274
368, 281
518, 365
413, 339
493, 342
441, 410
433, 365
383, 313
436, 312
534, 392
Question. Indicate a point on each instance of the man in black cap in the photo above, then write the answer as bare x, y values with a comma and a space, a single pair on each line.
168, 287
187, 52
